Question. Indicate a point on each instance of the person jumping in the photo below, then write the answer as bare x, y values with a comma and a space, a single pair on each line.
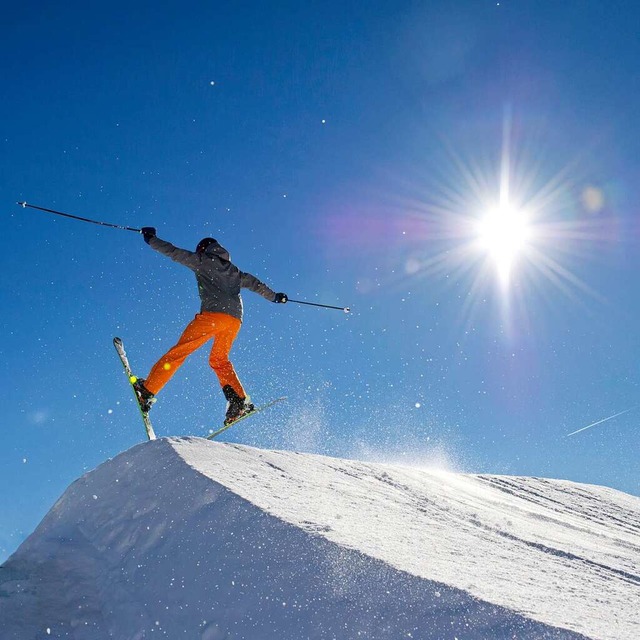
220, 318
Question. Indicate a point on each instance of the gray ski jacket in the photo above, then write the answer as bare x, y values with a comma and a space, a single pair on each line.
219, 280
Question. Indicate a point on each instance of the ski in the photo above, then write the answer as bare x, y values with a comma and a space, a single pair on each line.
211, 436
117, 343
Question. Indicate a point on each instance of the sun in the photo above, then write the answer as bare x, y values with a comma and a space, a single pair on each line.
503, 234
506, 233
501, 224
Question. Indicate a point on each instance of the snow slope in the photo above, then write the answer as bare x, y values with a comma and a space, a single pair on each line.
186, 538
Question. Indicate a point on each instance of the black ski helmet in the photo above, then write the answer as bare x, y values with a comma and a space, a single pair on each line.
204, 243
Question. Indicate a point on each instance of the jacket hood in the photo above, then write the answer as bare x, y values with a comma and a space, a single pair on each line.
215, 249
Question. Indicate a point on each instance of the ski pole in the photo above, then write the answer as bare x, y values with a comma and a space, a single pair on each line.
324, 306
68, 215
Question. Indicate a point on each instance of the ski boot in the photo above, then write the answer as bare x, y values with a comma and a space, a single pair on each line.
145, 397
236, 406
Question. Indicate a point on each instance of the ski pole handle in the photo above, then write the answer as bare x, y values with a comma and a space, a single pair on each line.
324, 306
68, 215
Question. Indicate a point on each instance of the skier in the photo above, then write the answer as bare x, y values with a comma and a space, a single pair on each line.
219, 283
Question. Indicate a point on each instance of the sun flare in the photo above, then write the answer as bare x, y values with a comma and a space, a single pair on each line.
503, 234
506, 227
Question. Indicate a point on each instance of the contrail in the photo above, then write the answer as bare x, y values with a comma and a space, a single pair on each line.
573, 433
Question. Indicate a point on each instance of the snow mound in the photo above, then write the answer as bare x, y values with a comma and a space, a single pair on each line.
186, 538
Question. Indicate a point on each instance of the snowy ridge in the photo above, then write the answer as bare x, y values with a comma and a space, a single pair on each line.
182, 537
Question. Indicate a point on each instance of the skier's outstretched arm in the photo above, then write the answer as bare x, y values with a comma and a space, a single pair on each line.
249, 281
182, 256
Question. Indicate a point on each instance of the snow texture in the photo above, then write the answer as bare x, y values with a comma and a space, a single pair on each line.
187, 538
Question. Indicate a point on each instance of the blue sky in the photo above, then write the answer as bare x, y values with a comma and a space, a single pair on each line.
342, 155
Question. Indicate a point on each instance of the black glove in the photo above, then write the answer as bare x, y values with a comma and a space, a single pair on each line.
148, 233
281, 297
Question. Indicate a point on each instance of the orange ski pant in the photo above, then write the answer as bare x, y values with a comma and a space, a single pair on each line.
223, 328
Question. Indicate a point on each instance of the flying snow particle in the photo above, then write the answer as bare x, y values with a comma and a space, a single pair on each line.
212, 83
38, 417
95, 497
24, 461
418, 405
324, 122
110, 411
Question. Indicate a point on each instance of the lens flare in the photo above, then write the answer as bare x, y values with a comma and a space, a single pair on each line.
500, 222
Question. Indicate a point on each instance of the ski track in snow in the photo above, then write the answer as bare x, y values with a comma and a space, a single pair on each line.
183, 537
